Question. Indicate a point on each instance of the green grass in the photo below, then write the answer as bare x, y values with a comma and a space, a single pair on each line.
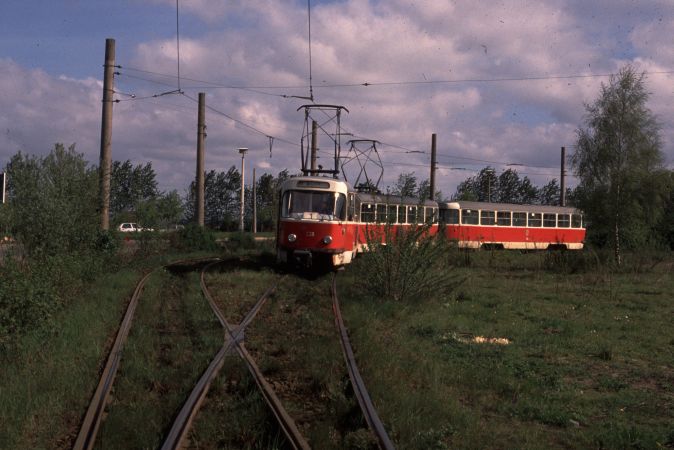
174, 337
234, 414
46, 384
589, 364
295, 344
48, 376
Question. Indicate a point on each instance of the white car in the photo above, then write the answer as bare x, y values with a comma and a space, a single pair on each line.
128, 227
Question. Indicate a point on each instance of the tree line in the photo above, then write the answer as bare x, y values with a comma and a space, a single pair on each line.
508, 187
624, 189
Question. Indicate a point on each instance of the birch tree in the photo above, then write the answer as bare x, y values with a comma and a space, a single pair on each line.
618, 160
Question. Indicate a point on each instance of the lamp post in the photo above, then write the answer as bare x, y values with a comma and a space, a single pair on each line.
490, 172
243, 151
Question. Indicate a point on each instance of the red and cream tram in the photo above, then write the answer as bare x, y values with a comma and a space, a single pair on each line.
324, 220
510, 226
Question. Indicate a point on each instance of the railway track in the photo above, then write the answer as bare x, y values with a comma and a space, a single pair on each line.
92, 419
91, 422
359, 389
232, 342
178, 433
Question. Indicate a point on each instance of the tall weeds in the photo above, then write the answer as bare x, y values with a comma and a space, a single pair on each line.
405, 265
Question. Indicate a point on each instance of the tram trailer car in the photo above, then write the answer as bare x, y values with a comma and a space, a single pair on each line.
324, 220
511, 226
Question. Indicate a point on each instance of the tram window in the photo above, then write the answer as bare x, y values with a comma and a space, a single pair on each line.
352, 208
381, 213
549, 220
576, 221
487, 218
563, 221
519, 219
535, 219
503, 218
285, 203
449, 216
470, 217
431, 215
340, 206
318, 205
392, 213
402, 214
367, 212
412, 214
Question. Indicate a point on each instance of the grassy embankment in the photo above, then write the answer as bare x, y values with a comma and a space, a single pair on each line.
587, 360
589, 363
46, 382
48, 375
172, 341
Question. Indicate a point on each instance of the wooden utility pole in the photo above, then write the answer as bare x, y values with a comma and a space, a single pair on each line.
105, 162
562, 184
201, 134
431, 195
254, 204
314, 150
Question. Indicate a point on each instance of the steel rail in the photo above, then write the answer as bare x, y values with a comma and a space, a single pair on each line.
188, 412
183, 422
92, 419
363, 397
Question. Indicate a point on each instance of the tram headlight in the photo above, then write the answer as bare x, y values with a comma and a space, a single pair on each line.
327, 239
292, 237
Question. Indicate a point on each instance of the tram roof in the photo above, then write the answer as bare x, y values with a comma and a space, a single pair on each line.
394, 199
315, 182
490, 206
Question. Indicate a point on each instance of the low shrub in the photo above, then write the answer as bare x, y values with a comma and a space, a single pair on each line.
28, 299
406, 265
195, 237
241, 241
570, 261
150, 243
31, 291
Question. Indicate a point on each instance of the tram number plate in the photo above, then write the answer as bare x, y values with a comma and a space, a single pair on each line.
310, 234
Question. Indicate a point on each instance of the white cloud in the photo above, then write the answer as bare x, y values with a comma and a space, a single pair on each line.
264, 44
39, 110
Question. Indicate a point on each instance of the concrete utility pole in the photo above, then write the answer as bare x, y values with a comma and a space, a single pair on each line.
431, 196
314, 145
3, 185
201, 134
562, 184
106, 133
254, 204
243, 151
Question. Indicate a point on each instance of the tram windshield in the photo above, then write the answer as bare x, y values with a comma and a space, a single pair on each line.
314, 205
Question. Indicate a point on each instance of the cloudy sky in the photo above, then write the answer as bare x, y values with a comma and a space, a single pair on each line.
501, 83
